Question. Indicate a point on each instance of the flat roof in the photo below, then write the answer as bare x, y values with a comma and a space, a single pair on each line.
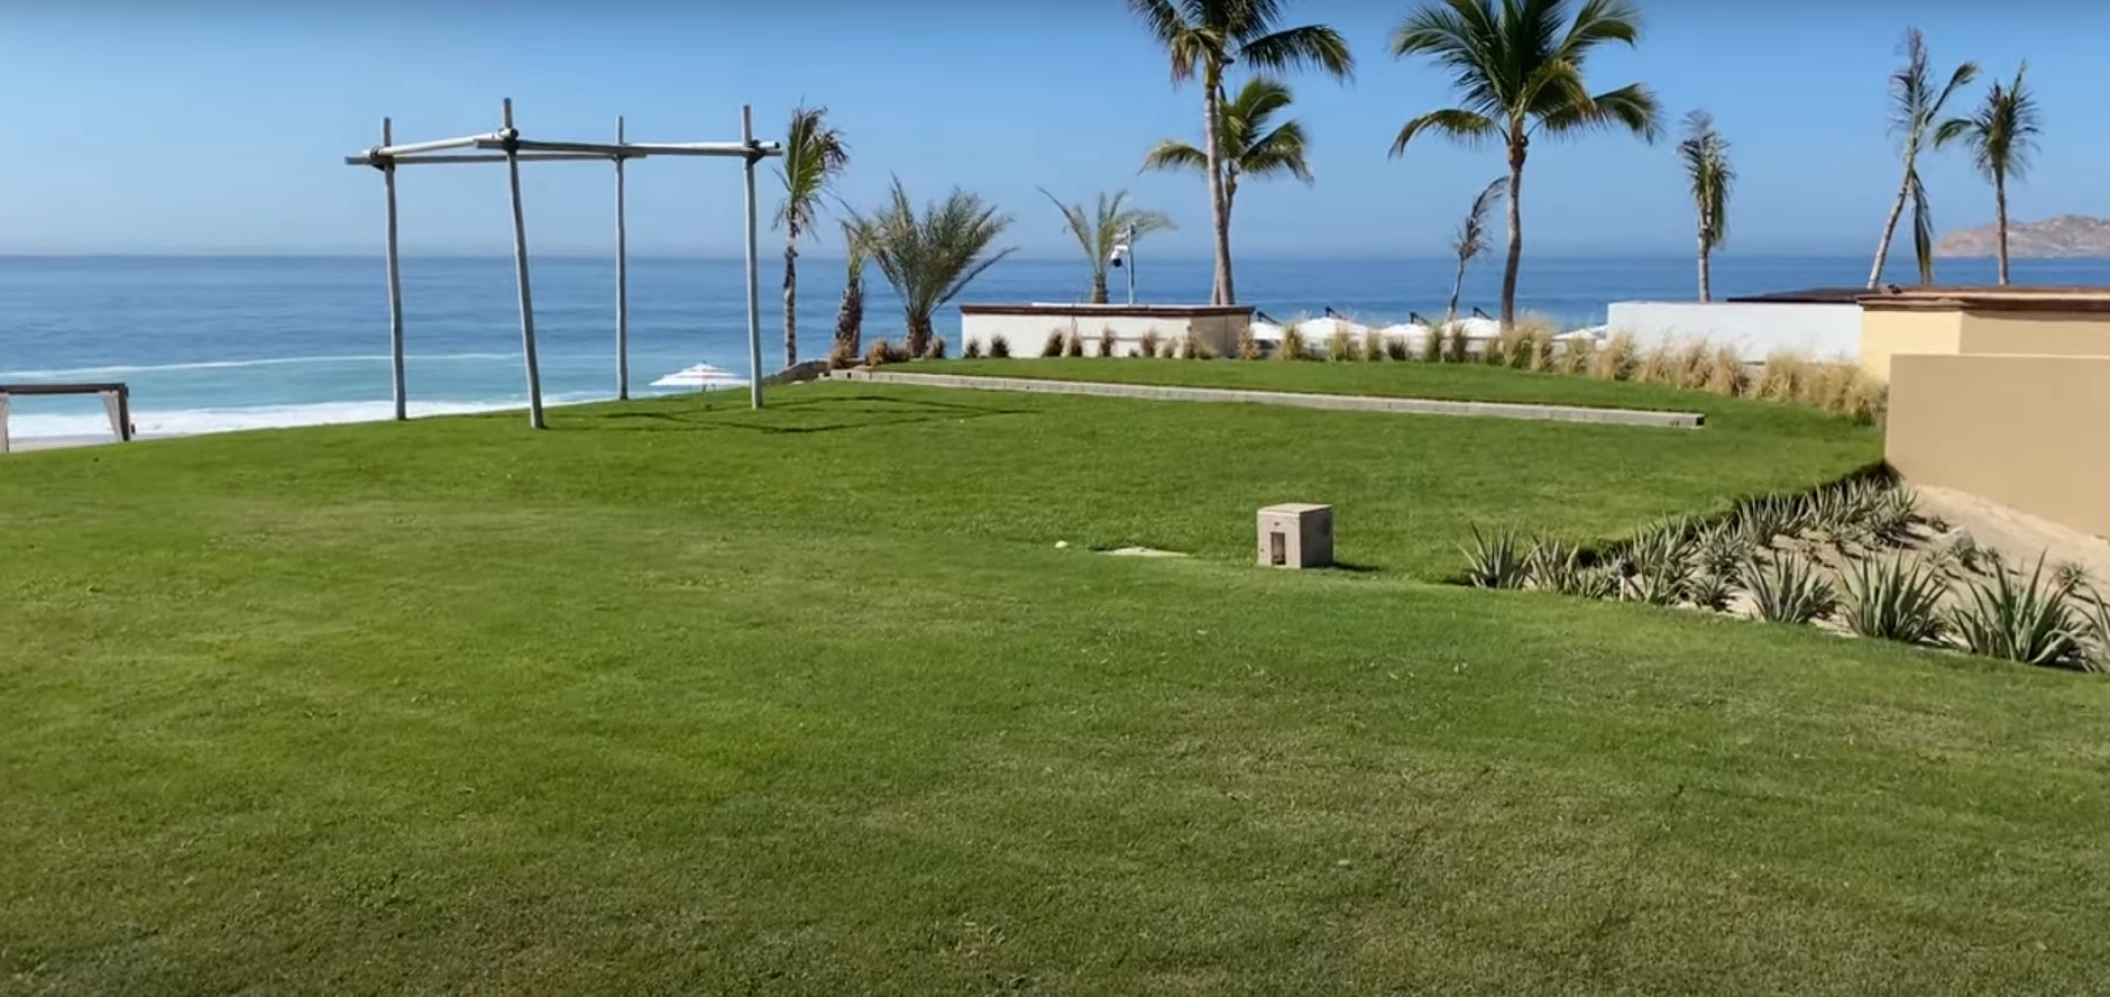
1991, 297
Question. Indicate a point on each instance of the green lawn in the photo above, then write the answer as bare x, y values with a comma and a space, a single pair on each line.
677, 697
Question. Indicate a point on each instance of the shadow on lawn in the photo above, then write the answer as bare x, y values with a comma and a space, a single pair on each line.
806, 415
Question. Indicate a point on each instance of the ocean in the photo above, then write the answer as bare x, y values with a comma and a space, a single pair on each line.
210, 344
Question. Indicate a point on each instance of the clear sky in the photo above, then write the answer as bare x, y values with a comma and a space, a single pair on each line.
220, 125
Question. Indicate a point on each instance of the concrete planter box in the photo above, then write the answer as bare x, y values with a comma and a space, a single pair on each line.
1027, 327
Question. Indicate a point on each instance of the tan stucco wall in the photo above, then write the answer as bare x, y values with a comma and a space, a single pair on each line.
2069, 334
2019, 430
1886, 332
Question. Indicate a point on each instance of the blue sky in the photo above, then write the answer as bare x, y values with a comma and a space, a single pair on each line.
219, 125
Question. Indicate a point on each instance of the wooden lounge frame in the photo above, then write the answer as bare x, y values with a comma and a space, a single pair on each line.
117, 401
506, 146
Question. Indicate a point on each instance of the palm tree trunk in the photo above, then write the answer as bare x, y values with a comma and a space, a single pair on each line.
1450, 312
791, 299
1517, 152
2000, 214
1099, 286
1890, 227
1219, 204
1706, 281
850, 318
917, 340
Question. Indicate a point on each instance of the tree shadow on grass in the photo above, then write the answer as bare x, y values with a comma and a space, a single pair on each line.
805, 415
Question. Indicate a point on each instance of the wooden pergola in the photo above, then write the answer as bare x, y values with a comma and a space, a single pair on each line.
506, 146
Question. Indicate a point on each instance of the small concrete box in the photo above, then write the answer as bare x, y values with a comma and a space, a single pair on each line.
1296, 535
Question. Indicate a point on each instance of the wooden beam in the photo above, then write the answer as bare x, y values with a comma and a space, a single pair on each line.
520, 268
754, 282
395, 287
622, 281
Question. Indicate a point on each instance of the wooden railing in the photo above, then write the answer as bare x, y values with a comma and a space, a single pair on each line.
117, 400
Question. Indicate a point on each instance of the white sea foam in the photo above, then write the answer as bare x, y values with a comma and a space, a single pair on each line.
121, 370
186, 422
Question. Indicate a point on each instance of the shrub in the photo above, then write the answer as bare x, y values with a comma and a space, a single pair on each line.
1616, 359
1894, 599
1693, 363
1373, 345
973, 350
879, 353
1248, 347
1342, 346
1780, 380
1573, 356
2019, 619
1495, 562
1510, 348
1292, 347
1057, 343
841, 356
1725, 374
1825, 386
1658, 366
1457, 346
935, 349
1192, 348
1789, 590
1150, 343
1073, 345
1106, 340
999, 348
1432, 345
1396, 348
1538, 350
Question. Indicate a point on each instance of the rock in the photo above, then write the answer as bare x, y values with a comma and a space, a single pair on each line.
2064, 236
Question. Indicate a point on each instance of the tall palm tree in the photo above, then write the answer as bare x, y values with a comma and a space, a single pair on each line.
1517, 66
1101, 230
2001, 135
1705, 155
1205, 37
930, 256
1248, 143
1471, 240
1914, 106
814, 155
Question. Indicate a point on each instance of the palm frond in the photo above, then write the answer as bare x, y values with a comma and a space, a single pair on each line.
814, 155
1311, 46
1472, 233
1173, 154
1074, 220
929, 256
2001, 134
1600, 22
1631, 107
1922, 228
1704, 154
1513, 61
1183, 43
1465, 127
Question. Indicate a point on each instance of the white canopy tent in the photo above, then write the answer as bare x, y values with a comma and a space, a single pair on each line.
506, 146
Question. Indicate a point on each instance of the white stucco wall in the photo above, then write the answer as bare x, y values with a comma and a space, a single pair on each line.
1028, 334
1754, 328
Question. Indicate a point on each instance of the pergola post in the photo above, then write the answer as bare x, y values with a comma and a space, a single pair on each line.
622, 280
754, 279
511, 139
395, 283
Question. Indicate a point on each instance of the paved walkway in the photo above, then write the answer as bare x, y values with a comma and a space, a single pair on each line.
1360, 403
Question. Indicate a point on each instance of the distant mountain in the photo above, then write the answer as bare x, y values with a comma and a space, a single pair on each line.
2066, 235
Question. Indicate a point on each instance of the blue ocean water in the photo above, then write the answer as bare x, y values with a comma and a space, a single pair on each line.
218, 343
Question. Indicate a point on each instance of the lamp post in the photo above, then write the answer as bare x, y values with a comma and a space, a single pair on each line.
1123, 257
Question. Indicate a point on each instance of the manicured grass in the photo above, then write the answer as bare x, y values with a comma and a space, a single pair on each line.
1412, 379
682, 698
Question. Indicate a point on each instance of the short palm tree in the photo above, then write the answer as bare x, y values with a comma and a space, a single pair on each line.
1518, 65
1471, 240
850, 314
1705, 155
2001, 135
1104, 228
932, 255
1205, 37
1914, 106
1249, 144
814, 155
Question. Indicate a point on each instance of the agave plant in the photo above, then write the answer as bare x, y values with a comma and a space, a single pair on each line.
1710, 590
1894, 599
1495, 561
1552, 564
1771, 517
1659, 560
2018, 619
1892, 514
1789, 590
2094, 613
1724, 547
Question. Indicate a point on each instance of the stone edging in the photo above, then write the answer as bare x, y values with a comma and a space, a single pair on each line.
1361, 403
